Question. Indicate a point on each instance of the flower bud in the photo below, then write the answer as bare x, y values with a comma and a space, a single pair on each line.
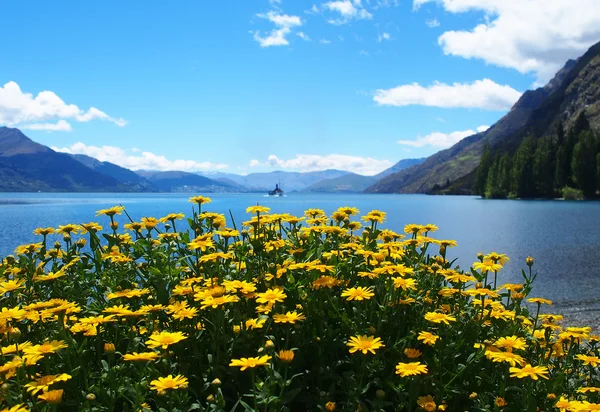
473, 395
90, 397
216, 382
114, 225
330, 406
109, 348
380, 394
210, 398
480, 257
529, 261
269, 344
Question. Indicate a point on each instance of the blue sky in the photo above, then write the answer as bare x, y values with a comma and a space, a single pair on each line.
257, 85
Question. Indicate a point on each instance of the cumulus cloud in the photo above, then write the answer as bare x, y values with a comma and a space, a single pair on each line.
303, 36
135, 159
482, 94
348, 10
18, 108
441, 140
535, 36
283, 26
311, 163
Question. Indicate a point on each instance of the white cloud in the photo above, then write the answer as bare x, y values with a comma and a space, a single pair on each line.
364, 52
441, 140
481, 94
311, 163
254, 163
139, 160
536, 36
303, 36
432, 23
383, 36
324, 41
26, 111
283, 26
60, 126
348, 10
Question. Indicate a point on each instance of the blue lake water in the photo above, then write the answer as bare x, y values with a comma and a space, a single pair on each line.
563, 237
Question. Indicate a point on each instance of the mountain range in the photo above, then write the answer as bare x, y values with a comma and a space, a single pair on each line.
27, 166
573, 91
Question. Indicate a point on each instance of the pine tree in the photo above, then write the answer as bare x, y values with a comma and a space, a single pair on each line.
544, 168
482, 171
491, 186
560, 172
583, 164
522, 184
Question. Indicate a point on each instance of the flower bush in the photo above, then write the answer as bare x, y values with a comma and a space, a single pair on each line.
283, 313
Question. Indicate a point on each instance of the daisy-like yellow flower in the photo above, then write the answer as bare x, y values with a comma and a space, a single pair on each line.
258, 209
528, 371
410, 369
427, 403
200, 200
286, 356
428, 338
588, 360
487, 266
161, 385
45, 348
587, 389
52, 397
540, 301
364, 344
404, 283
509, 357
288, 317
115, 210
358, 293
271, 296
412, 353
43, 231
141, 357
11, 285
164, 339
43, 383
245, 363
17, 408
511, 342
437, 317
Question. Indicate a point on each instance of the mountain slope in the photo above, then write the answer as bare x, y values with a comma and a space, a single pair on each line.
125, 176
174, 181
401, 165
574, 89
288, 181
29, 166
348, 183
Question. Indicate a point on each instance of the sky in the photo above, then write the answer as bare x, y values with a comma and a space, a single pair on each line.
242, 86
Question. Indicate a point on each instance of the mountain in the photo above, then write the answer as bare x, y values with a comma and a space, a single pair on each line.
401, 165
288, 181
575, 89
125, 176
174, 181
29, 166
349, 183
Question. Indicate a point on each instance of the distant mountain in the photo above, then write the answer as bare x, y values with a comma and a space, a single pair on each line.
401, 165
348, 183
575, 89
174, 181
127, 177
29, 166
288, 181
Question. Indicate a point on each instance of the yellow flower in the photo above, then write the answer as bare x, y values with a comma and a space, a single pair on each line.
288, 317
540, 301
500, 402
17, 408
11, 285
115, 210
364, 344
286, 356
161, 385
528, 371
43, 231
271, 296
428, 338
141, 357
43, 383
511, 342
52, 397
436, 317
509, 357
258, 209
45, 348
245, 363
359, 293
330, 406
412, 353
588, 389
410, 369
200, 200
404, 284
109, 347
164, 339
91, 227
427, 403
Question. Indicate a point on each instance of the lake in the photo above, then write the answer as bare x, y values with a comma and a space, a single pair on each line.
563, 237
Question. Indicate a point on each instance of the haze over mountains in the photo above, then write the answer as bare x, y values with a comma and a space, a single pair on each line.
27, 166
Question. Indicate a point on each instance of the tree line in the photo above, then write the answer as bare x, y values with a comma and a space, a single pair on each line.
565, 164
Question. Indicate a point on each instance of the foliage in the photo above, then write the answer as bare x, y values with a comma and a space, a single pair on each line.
289, 314
568, 193
543, 167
